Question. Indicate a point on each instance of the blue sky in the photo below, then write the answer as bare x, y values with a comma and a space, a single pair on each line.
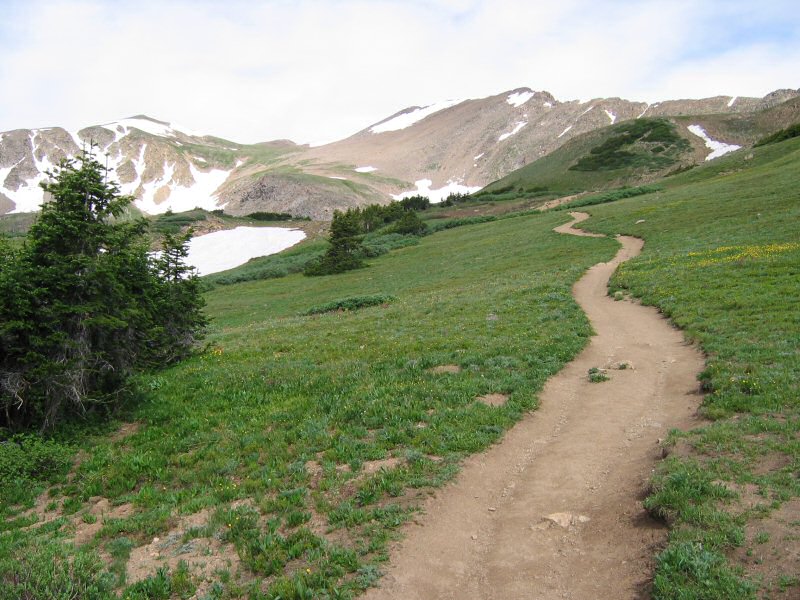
316, 70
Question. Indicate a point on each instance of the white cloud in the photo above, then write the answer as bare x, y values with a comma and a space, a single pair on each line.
311, 70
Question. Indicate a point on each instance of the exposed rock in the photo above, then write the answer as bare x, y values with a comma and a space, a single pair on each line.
565, 519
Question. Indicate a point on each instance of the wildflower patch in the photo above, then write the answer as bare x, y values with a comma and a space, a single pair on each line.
728, 254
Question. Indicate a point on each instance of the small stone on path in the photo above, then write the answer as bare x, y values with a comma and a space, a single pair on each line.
565, 519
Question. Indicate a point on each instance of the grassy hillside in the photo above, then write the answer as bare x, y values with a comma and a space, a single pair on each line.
634, 153
304, 441
628, 153
721, 259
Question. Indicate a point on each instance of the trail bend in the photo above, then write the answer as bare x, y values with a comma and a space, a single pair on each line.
555, 509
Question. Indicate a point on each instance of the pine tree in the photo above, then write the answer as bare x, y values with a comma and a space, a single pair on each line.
83, 305
345, 251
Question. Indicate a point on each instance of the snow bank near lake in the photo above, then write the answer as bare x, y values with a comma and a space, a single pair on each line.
223, 250
717, 148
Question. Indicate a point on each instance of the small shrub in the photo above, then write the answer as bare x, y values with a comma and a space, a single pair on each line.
351, 303
26, 458
410, 224
269, 216
597, 375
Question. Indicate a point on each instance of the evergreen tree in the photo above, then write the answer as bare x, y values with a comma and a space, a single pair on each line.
83, 305
345, 251
410, 224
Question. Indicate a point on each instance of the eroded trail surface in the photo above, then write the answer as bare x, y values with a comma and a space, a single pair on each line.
555, 509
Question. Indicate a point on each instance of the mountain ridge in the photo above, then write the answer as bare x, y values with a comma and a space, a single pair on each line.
454, 145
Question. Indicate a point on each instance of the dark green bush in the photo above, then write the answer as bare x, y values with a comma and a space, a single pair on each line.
415, 203
32, 457
410, 224
647, 143
269, 216
779, 136
351, 303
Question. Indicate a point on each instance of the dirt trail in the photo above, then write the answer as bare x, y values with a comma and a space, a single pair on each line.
554, 510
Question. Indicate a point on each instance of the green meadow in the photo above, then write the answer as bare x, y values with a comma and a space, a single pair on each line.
333, 426
306, 440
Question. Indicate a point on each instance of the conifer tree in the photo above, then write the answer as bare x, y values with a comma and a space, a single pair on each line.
345, 251
83, 305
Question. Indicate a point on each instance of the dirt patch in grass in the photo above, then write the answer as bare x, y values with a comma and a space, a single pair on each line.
771, 552
370, 467
750, 498
89, 522
43, 509
772, 462
493, 399
127, 430
441, 369
203, 556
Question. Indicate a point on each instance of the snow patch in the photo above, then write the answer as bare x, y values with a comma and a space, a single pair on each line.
335, 177
717, 148
146, 125
479, 156
119, 132
732, 100
77, 139
181, 198
186, 131
644, 111
28, 198
611, 116
152, 127
424, 189
516, 129
407, 119
223, 250
517, 99
587, 110
565, 131
365, 169
547, 104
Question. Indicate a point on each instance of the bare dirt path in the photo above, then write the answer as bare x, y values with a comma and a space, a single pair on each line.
554, 510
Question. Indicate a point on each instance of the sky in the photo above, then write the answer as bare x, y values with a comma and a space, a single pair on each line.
315, 71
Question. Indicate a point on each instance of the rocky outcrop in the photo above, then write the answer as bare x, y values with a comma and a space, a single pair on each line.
297, 196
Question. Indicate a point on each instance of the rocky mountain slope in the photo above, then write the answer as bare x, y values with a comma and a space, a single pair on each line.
451, 146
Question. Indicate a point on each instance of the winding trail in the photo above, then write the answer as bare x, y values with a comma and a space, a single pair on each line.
555, 509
